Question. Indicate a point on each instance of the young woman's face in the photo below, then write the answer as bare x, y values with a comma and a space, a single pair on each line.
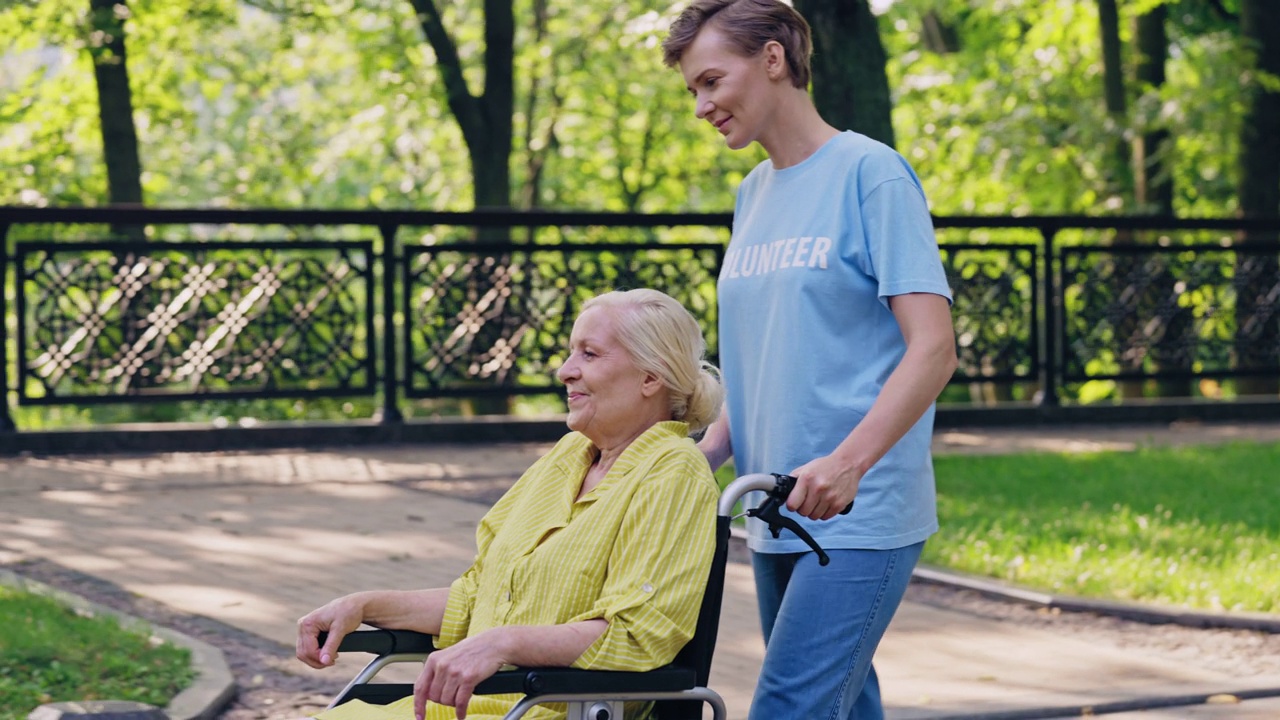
729, 90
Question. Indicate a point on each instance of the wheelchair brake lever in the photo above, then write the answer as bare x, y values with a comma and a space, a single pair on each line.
770, 511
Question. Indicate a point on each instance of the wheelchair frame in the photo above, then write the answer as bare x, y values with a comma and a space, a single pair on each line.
678, 690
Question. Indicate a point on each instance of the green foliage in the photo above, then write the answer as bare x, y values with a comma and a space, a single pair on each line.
51, 653
620, 123
240, 107
339, 105
301, 104
1014, 122
1186, 526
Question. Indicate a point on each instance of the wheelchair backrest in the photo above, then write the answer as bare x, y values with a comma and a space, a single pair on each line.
697, 653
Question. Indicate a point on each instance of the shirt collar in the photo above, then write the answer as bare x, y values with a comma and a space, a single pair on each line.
584, 452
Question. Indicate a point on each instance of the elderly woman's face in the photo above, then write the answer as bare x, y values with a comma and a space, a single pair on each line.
605, 387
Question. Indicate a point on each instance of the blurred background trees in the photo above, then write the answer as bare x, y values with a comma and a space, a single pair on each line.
1084, 106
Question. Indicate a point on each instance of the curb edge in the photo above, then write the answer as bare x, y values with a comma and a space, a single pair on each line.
1140, 612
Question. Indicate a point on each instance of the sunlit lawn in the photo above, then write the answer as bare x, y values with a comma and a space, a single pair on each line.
50, 653
1195, 526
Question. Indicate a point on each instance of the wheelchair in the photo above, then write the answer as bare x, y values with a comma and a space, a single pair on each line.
678, 690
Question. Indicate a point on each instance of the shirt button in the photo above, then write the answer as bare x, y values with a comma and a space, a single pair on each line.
647, 588
508, 597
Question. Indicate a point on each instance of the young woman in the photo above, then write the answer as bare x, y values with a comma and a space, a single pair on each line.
835, 340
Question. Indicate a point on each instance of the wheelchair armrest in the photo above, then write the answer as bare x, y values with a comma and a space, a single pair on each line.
385, 642
530, 682
559, 681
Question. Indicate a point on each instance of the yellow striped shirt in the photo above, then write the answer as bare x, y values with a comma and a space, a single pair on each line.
634, 551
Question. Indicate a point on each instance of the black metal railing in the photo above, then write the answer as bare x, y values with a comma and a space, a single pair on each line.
269, 303
1173, 313
101, 322
495, 319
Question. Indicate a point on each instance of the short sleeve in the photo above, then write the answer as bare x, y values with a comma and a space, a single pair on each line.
457, 611
901, 242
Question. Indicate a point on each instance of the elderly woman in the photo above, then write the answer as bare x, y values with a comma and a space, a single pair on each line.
597, 557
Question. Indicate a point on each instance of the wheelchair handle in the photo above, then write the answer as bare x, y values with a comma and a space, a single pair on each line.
777, 487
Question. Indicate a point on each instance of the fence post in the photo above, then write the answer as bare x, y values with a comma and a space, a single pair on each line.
1049, 373
6, 420
390, 379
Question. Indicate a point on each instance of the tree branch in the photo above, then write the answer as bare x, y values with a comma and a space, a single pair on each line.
465, 107
1221, 11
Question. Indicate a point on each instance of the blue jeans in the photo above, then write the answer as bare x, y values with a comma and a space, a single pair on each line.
821, 626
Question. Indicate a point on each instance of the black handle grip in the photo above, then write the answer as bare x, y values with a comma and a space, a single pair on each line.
787, 483
770, 511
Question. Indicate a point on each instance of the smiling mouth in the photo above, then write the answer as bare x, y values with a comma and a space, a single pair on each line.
720, 124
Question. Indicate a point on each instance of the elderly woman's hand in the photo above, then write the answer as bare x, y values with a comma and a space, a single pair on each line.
338, 618
449, 676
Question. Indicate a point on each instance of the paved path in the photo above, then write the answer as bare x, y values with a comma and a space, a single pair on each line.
255, 540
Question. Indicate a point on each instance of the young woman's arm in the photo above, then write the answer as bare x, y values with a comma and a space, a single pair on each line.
715, 442
827, 484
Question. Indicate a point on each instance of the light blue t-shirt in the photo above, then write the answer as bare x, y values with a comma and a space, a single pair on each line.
807, 339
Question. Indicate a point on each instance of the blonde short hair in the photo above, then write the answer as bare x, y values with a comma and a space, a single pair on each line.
748, 25
662, 337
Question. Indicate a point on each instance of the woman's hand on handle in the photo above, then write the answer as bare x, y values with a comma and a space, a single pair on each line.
824, 487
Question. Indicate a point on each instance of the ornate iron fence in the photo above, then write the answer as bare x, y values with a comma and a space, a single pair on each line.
102, 322
366, 303
995, 307
495, 319
1170, 313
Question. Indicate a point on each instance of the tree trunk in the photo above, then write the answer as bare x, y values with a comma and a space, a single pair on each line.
938, 35
535, 160
1153, 178
1130, 347
1257, 326
850, 87
485, 119
1153, 195
1118, 176
115, 107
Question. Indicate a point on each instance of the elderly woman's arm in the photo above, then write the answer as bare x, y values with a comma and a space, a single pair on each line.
421, 610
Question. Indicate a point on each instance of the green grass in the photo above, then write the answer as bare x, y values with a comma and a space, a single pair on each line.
51, 653
1194, 526
1197, 527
